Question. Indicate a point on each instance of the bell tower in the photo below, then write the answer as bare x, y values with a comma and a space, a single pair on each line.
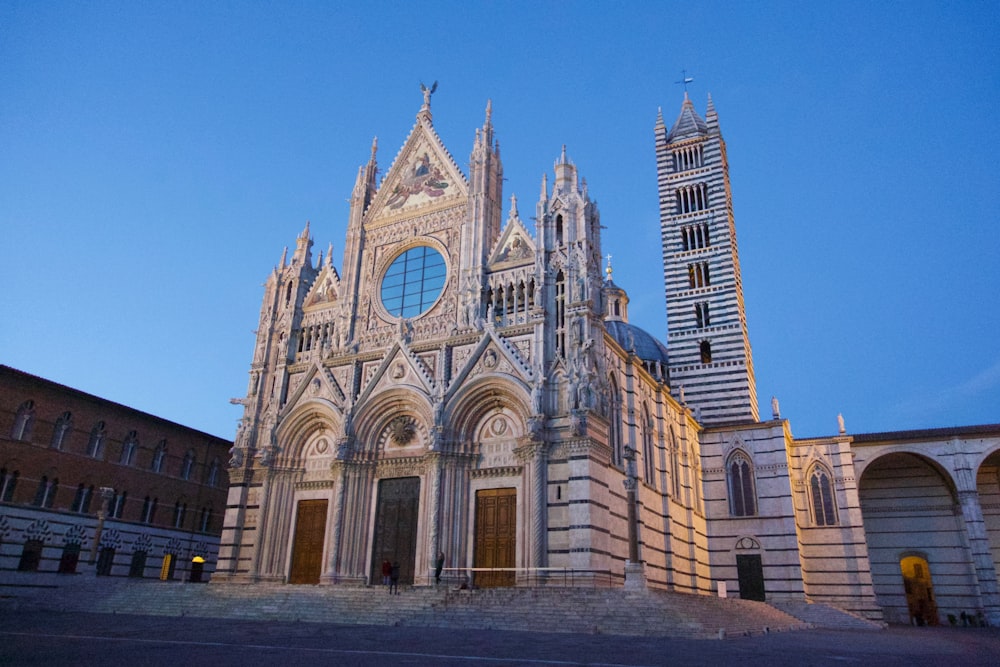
711, 365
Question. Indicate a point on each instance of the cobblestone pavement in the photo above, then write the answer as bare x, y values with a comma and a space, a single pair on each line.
54, 638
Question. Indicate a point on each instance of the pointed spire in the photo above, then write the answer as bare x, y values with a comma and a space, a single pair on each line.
545, 186
688, 123
513, 207
305, 232
319, 260
562, 158
608, 269
284, 256
374, 150
329, 254
659, 118
711, 117
489, 113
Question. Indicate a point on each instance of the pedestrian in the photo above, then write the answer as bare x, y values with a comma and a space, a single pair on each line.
438, 566
394, 579
386, 571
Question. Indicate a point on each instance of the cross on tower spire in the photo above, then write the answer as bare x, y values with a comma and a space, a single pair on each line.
685, 80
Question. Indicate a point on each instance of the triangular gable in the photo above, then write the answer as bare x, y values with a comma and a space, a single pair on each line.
400, 367
493, 354
315, 382
325, 290
423, 176
515, 245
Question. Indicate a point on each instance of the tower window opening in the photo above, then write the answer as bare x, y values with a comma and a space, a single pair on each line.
706, 352
559, 230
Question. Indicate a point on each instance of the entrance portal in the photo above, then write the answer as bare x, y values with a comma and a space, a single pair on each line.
396, 527
919, 591
750, 571
496, 536
307, 550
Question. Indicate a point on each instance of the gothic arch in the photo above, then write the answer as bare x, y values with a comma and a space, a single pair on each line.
473, 403
297, 429
375, 416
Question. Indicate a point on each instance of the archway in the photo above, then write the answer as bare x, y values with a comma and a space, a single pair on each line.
909, 506
988, 488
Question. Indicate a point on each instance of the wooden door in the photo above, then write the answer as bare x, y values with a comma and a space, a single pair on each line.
310, 535
750, 571
495, 536
396, 527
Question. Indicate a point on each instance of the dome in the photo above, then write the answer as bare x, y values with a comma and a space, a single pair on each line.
632, 338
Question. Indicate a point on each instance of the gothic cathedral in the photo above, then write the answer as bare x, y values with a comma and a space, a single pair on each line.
468, 388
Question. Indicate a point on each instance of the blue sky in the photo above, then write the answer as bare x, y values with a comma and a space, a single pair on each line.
155, 158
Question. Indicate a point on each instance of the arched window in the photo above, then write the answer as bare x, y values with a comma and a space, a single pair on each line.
675, 465
824, 508
739, 475
187, 466
128, 448
95, 446
158, 456
213, 473
63, 426
8, 482
116, 505
81, 502
24, 421
148, 510
559, 230
615, 426
180, 509
46, 493
206, 519
560, 314
648, 457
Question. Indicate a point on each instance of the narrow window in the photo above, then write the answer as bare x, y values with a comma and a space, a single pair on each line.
206, 519
824, 509
116, 505
213, 473
180, 509
24, 421
8, 482
649, 460
128, 448
559, 230
148, 510
706, 352
187, 466
158, 456
615, 427
63, 425
95, 447
742, 497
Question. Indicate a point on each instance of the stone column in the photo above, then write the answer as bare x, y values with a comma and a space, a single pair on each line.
982, 558
337, 472
434, 510
540, 506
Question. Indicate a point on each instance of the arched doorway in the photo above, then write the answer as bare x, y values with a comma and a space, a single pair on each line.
919, 590
914, 527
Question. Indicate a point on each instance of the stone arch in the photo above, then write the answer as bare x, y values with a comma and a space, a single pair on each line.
474, 403
988, 492
909, 504
302, 427
377, 420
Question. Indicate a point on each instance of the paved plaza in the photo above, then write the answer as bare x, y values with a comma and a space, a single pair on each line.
55, 638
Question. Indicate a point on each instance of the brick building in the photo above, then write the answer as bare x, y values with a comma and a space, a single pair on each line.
87, 484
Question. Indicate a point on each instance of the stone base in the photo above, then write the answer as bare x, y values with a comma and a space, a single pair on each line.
635, 576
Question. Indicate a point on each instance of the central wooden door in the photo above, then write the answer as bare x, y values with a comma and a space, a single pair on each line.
307, 549
396, 527
496, 536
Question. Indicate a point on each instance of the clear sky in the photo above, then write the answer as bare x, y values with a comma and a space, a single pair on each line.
155, 158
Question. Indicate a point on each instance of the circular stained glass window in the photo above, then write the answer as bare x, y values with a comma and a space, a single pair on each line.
413, 282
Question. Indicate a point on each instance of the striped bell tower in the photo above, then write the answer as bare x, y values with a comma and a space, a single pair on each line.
711, 366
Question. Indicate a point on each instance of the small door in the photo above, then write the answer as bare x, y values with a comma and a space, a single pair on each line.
105, 559
919, 590
138, 566
310, 535
70, 557
396, 527
496, 536
750, 571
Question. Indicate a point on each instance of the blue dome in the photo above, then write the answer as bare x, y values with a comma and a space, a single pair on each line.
632, 338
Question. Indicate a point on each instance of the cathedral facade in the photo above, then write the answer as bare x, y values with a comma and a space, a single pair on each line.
468, 388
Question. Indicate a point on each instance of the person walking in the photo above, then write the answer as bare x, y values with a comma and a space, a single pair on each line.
438, 566
394, 579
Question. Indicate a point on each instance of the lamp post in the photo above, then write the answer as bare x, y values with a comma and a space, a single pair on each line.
106, 494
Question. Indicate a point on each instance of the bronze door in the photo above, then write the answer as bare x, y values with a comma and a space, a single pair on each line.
396, 527
307, 550
496, 536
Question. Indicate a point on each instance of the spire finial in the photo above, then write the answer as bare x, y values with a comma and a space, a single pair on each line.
374, 147
489, 111
562, 158
685, 80
608, 269
513, 206
427, 94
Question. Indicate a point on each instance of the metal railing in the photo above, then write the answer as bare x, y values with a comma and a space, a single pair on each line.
530, 577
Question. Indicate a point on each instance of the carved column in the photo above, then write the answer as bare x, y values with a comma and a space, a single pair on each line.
434, 497
338, 475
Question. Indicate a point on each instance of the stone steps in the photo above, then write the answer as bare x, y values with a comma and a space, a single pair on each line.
825, 616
